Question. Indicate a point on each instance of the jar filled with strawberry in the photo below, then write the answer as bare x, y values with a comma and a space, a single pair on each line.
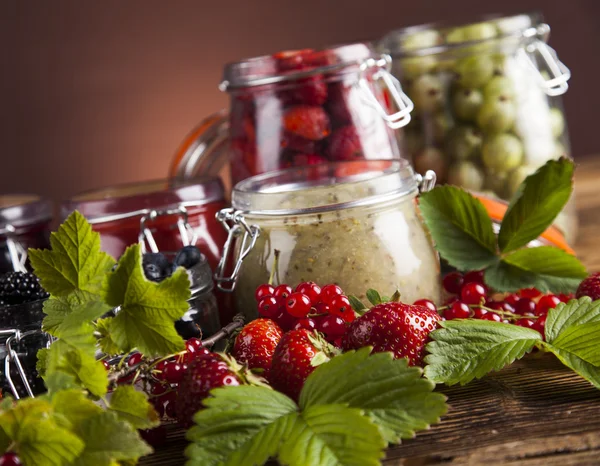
354, 224
300, 108
487, 97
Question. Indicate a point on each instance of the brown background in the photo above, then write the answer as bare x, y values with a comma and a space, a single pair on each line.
102, 92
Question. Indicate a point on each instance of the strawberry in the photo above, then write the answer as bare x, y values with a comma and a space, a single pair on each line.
309, 122
256, 343
203, 375
400, 328
590, 287
338, 103
308, 91
345, 144
298, 144
298, 354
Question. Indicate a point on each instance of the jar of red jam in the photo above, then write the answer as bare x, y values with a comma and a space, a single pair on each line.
299, 108
162, 215
24, 223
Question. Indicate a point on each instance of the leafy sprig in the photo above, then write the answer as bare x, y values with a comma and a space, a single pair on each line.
464, 236
463, 350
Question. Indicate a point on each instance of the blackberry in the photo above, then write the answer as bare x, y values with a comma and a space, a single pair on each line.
19, 288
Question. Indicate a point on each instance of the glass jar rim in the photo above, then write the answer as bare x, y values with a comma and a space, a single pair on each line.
380, 181
133, 199
22, 210
267, 69
511, 28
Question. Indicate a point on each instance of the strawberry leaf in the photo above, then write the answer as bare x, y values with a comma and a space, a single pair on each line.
396, 397
581, 341
536, 204
460, 227
75, 262
132, 406
586, 370
463, 350
357, 305
248, 425
374, 297
148, 310
574, 313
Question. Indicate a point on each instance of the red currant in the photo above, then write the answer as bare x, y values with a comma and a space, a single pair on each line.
332, 326
263, 291
475, 276
159, 370
525, 306
540, 325
10, 459
285, 320
565, 298
453, 282
337, 342
193, 352
496, 305
310, 289
297, 304
492, 316
349, 316
457, 310
478, 313
321, 308
512, 299
530, 293
546, 303
196, 342
269, 307
134, 359
173, 372
329, 291
106, 365
307, 323
451, 300
282, 291
473, 293
527, 323
507, 307
428, 303
339, 304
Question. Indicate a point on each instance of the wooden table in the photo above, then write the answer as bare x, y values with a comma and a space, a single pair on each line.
533, 413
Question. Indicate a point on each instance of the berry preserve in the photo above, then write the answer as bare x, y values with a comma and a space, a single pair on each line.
353, 224
487, 103
299, 108
24, 223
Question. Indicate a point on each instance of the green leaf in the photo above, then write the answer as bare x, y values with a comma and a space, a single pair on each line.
41, 363
463, 350
574, 313
247, 425
581, 341
586, 370
107, 345
460, 227
74, 406
546, 267
537, 203
374, 297
5, 441
132, 406
148, 310
238, 420
357, 304
75, 261
69, 312
59, 381
38, 439
393, 395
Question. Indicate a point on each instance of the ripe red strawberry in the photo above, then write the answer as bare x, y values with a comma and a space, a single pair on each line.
345, 144
203, 375
309, 122
256, 343
338, 103
298, 144
400, 328
298, 354
590, 287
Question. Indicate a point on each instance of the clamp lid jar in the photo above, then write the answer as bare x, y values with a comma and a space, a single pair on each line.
355, 224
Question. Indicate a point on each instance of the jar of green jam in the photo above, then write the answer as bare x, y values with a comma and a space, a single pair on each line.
355, 224
487, 99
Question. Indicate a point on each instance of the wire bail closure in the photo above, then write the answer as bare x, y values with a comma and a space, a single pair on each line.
426, 182
16, 252
189, 237
404, 105
235, 224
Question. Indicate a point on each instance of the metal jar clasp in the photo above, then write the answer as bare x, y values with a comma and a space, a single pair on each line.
235, 224
187, 233
16, 252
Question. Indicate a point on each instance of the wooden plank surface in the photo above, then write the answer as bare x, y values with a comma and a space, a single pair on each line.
533, 413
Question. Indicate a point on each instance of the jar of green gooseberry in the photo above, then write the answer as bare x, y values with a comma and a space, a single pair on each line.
487, 99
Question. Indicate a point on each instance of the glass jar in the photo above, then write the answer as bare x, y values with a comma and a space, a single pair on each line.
21, 338
299, 108
488, 111
351, 223
24, 223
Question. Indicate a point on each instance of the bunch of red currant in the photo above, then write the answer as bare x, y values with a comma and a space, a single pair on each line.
471, 298
307, 306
